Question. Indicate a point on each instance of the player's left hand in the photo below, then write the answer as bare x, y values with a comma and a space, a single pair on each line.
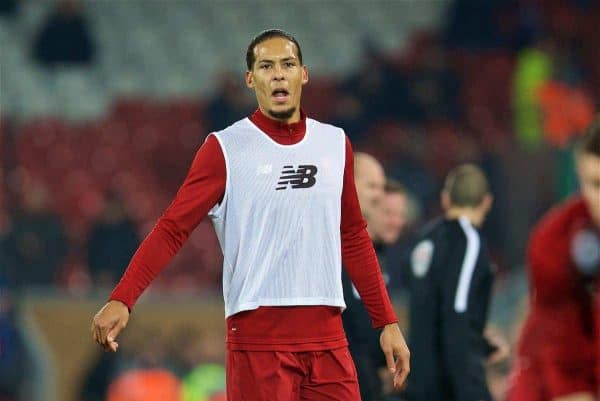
396, 352
108, 323
501, 349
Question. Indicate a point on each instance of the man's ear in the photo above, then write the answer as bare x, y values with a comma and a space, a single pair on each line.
445, 200
488, 201
304, 75
249, 79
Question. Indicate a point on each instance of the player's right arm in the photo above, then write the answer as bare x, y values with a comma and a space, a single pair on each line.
203, 187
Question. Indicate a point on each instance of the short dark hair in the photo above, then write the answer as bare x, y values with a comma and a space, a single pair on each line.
466, 186
590, 141
266, 35
394, 187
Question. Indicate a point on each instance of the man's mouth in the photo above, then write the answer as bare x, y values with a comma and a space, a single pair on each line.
280, 95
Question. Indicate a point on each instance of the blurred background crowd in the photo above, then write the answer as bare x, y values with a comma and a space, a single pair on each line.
104, 103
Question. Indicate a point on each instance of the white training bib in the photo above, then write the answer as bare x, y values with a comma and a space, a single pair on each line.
279, 221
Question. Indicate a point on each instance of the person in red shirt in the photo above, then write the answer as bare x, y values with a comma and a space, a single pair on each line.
274, 352
558, 345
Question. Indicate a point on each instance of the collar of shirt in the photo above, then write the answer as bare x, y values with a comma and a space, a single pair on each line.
282, 133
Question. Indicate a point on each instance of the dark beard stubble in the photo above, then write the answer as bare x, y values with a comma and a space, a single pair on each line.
282, 115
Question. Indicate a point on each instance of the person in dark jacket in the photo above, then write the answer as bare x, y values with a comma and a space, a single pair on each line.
113, 240
450, 285
383, 203
370, 183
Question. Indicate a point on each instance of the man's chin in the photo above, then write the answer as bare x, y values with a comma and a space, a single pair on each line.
284, 114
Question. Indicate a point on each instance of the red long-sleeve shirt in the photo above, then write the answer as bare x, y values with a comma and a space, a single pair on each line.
282, 328
559, 327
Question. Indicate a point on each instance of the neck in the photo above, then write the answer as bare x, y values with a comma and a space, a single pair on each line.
474, 216
282, 133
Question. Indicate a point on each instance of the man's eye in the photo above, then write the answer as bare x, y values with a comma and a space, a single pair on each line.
265, 66
289, 64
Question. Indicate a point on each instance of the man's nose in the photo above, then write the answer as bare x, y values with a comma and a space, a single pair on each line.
278, 73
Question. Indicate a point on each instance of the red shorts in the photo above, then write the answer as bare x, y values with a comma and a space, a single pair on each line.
534, 380
291, 376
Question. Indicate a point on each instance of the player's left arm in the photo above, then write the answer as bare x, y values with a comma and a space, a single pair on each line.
358, 255
361, 264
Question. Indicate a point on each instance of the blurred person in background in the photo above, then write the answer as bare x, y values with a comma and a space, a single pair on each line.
363, 342
556, 352
393, 213
65, 37
392, 229
280, 190
113, 240
369, 179
36, 241
385, 213
450, 290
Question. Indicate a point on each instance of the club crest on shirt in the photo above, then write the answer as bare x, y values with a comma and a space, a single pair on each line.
420, 259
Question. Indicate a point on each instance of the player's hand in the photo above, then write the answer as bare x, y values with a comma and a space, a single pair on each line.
396, 353
497, 341
108, 323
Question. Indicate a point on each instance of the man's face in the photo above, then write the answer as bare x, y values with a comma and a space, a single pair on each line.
277, 78
391, 217
588, 169
370, 182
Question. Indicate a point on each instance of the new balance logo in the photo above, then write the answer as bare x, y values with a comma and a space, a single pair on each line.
302, 177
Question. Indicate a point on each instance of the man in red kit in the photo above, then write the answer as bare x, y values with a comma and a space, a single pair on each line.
279, 188
557, 350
